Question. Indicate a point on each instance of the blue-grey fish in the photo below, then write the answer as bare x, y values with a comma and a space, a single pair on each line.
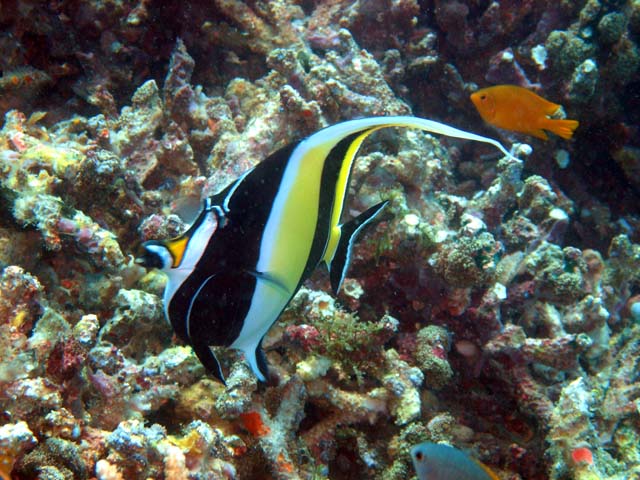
437, 461
232, 273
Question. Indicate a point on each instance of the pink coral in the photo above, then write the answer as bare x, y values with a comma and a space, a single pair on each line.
307, 336
66, 359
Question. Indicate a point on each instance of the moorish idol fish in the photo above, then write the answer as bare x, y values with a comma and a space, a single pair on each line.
232, 273
437, 461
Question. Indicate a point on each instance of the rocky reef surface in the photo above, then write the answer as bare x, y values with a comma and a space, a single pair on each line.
496, 305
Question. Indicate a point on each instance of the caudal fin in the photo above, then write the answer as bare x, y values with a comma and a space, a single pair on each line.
563, 128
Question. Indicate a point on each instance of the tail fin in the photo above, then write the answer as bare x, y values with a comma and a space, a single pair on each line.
563, 128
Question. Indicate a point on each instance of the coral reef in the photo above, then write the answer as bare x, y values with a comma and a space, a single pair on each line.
494, 306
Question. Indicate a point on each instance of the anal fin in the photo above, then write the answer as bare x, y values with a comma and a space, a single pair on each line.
348, 235
257, 360
209, 360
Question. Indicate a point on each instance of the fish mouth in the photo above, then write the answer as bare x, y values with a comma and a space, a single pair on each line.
475, 98
150, 258
484, 105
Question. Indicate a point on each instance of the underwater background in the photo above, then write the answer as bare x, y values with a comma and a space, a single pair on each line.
495, 306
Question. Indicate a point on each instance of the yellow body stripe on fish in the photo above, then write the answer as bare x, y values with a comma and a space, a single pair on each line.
341, 192
177, 248
254, 243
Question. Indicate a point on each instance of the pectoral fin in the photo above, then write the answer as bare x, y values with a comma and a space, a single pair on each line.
270, 278
348, 235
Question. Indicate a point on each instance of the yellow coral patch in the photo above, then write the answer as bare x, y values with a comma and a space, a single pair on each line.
190, 443
59, 159
19, 319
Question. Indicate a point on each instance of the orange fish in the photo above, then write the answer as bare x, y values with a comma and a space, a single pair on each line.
520, 110
6, 464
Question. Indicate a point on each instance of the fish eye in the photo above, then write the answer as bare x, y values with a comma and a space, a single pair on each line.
419, 456
483, 97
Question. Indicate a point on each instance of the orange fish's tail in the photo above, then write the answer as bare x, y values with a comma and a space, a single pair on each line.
562, 128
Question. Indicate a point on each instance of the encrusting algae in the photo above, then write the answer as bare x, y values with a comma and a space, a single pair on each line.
492, 305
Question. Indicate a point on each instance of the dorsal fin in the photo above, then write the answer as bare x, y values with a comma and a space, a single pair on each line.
342, 130
348, 233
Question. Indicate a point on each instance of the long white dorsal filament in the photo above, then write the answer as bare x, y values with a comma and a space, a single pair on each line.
352, 126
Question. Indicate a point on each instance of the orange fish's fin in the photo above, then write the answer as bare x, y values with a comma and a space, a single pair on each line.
562, 128
491, 473
548, 107
538, 133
